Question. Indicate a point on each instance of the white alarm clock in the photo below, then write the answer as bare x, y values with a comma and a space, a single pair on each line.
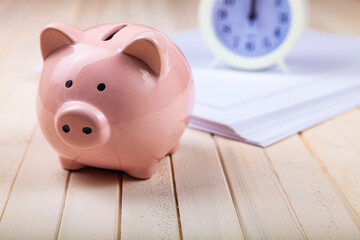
252, 34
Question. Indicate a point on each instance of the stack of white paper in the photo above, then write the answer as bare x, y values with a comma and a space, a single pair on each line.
265, 107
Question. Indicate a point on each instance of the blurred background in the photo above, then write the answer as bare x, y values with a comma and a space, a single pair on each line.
165, 15
22, 21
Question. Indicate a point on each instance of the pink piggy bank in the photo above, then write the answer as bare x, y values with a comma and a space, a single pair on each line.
115, 96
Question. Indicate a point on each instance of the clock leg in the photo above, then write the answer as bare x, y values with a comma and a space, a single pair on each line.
215, 63
283, 67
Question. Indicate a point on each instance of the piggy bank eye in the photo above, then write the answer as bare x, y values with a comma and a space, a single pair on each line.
68, 83
101, 87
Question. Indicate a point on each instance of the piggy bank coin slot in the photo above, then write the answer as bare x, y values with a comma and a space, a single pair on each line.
112, 34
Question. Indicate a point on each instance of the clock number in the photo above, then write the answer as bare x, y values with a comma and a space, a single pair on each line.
278, 3
229, 2
235, 41
222, 14
250, 46
266, 43
226, 29
283, 18
232, 30
277, 32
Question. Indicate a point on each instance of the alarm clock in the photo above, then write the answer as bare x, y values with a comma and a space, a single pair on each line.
252, 34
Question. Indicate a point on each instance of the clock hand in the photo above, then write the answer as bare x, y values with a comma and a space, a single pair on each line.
252, 14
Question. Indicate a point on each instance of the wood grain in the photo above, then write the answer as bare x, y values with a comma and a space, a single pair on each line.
205, 204
92, 205
336, 16
318, 207
339, 157
179, 15
148, 206
15, 135
18, 84
264, 209
349, 125
36, 201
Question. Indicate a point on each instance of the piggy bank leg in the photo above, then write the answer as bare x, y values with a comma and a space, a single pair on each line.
174, 148
143, 173
69, 164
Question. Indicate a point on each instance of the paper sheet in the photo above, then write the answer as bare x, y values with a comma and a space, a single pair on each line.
267, 106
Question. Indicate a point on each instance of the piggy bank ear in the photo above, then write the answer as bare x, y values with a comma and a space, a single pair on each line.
57, 35
151, 48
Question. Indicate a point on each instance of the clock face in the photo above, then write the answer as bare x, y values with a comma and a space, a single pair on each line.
251, 28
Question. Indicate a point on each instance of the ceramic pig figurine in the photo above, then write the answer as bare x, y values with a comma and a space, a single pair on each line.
115, 96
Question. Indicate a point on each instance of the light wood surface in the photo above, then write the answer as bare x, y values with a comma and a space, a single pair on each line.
35, 205
205, 204
304, 187
320, 210
258, 193
148, 207
91, 205
340, 158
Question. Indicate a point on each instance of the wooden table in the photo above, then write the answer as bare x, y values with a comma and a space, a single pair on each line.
305, 187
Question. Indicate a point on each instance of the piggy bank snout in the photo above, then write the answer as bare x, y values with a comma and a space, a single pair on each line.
81, 125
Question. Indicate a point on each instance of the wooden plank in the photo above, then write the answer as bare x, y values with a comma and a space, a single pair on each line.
349, 125
340, 158
17, 122
18, 89
205, 203
11, 155
88, 13
34, 207
14, 16
179, 15
92, 205
18, 118
148, 206
264, 209
318, 207
346, 13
